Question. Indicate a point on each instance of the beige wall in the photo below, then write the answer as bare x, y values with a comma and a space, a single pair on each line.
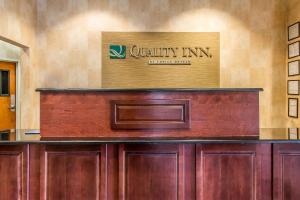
252, 40
293, 9
68, 38
9, 52
18, 26
293, 17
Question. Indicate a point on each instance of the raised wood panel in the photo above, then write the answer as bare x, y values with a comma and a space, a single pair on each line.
156, 172
286, 171
73, 172
233, 171
13, 172
88, 114
150, 114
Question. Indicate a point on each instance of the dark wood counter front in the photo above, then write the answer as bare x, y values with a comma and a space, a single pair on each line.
135, 171
148, 113
144, 144
150, 169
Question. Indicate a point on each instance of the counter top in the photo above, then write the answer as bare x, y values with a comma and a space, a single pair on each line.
149, 89
267, 135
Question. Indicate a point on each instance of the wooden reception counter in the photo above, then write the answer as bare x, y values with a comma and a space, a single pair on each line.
185, 169
150, 144
261, 169
149, 113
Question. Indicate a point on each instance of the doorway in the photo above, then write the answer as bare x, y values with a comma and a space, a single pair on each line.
7, 96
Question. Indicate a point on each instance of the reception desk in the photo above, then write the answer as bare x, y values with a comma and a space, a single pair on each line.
261, 169
139, 144
149, 113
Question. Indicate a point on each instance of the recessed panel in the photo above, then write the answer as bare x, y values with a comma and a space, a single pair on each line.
73, 172
151, 176
150, 114
156, 171
286, 171
228, 176
11, 176
233, 171
73, 176
291, 167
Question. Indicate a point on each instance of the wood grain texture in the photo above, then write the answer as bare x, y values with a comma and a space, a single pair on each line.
112, 171
34, 171
233, 171
87, 114
73, 172
150, 114
156, 172
286, 171
13, 172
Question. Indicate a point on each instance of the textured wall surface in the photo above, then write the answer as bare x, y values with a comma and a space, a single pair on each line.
252, 36
68, 38
293, 17
18, 26
9, 51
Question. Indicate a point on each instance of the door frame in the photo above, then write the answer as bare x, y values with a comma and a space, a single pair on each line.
18, 89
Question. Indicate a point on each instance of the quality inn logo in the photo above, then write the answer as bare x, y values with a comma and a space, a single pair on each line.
117, 51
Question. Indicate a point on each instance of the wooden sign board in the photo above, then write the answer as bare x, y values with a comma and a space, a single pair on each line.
160, 60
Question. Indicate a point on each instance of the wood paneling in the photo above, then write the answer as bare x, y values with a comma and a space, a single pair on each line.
112, 172
34, 171
88, 114
233, 171
13, 172
149, 171
156, 172
150, 114
286, 171
73, 172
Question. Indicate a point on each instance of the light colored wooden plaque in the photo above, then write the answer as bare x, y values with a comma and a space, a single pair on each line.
166, 60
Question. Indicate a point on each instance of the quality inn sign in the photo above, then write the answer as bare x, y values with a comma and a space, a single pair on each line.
160, 59
119, 52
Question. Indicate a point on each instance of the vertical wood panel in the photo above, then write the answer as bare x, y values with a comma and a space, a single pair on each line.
34, 171
73, 172
13, 172
286, 171
233, 171
156, 172
112, 172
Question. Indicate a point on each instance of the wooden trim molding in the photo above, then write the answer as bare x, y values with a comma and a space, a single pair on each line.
150, 114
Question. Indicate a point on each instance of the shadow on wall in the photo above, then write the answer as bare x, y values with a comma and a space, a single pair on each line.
154, 15
114, 15
252, 32
248, 27
71, 26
